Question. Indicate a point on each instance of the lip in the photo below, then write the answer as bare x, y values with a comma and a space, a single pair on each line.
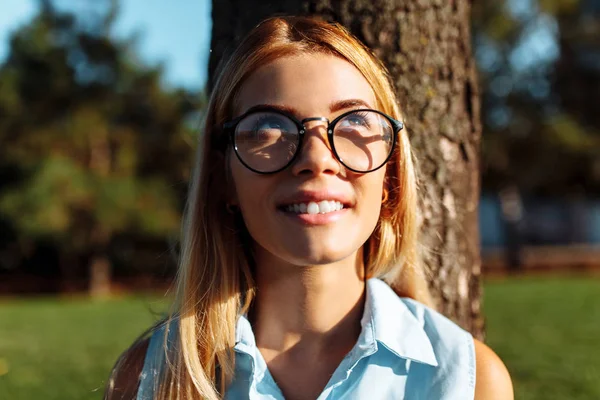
316, 219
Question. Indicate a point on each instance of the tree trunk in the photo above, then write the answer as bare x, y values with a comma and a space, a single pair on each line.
99, 264
426, 46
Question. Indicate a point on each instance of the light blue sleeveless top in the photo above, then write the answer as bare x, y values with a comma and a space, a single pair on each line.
405, 351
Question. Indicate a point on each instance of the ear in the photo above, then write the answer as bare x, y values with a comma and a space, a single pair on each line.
385, 198
387, 185
385, 195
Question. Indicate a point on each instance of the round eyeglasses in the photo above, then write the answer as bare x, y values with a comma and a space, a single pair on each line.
268, 140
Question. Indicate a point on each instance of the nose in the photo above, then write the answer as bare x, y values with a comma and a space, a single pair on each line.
316, 156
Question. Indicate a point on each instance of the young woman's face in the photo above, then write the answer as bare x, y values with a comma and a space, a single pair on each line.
314, 85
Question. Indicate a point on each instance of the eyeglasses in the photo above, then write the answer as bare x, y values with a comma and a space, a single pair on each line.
267, 140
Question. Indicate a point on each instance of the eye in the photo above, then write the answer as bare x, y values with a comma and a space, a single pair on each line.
269, 123
356, 120
266, 127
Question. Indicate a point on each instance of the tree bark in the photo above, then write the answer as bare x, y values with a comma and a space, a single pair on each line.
100, 266
426, 46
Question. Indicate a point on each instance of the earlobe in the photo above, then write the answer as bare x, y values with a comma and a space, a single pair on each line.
384, 197
386, 192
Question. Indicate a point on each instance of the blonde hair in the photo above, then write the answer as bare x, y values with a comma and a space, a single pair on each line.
214, 284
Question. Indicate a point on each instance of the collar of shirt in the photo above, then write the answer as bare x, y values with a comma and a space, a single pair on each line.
387, 320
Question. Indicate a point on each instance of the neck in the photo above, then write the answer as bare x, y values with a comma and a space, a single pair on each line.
312, 309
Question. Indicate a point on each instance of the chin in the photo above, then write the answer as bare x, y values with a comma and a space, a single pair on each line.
310, 249
318, 255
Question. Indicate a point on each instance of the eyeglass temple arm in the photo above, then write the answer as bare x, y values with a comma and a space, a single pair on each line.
398, 125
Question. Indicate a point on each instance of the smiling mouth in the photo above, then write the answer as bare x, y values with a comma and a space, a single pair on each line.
313, 207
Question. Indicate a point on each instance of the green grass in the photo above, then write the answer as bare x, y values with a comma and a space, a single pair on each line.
547, 331
55, 349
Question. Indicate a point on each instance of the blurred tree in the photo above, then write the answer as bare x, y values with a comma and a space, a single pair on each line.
426, 45
540, 72
91, 144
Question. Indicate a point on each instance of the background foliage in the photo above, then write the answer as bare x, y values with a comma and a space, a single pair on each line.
539, 65
94, 151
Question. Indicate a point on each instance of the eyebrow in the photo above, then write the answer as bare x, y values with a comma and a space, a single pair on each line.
277, 107
349, 103
333, 107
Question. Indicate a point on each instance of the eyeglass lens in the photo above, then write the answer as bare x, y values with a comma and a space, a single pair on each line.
267, 141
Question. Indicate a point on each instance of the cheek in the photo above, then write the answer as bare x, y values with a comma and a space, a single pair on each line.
252, 198
373, 203
372, 187
372, 199
250, 190
241, 182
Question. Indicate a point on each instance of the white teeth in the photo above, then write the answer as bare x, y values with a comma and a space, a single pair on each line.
321, 207
324, 206
312, 208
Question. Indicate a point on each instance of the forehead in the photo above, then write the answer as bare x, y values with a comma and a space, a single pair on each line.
308, 83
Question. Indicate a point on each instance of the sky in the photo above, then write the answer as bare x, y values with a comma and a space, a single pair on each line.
176, 32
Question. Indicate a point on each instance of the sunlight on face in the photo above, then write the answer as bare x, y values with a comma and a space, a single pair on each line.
307, 86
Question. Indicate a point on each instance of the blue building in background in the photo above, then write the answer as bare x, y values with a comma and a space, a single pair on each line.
541, 221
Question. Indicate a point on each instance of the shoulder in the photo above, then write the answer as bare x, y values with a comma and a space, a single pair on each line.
493, 380
125, 377
451, 344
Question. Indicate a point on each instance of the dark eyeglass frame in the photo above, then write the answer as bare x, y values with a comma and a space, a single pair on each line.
230, 127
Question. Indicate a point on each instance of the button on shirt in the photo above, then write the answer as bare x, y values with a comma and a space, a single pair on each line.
405, 351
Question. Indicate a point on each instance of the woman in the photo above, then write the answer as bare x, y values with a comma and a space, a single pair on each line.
302, 214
